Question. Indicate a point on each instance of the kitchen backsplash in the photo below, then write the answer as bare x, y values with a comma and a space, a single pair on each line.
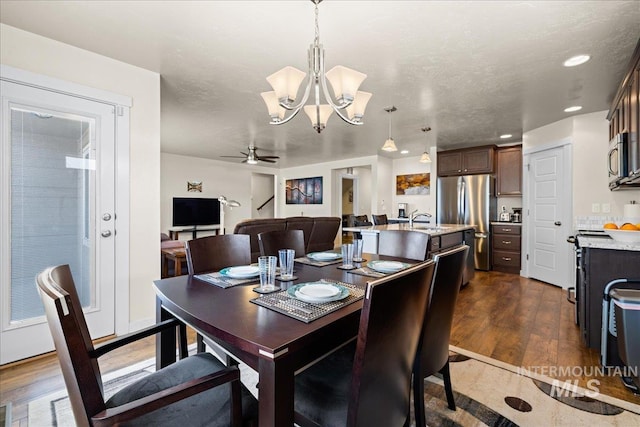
594, 222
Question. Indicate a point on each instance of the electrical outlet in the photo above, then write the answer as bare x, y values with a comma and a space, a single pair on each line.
595, 208
606, 207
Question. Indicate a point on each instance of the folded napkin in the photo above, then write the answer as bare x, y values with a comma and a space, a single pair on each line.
366, 271
309, 261
224, 282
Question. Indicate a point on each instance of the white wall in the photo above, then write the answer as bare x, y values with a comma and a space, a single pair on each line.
411, 165
41, 55
589, 134
218, 178
262, 188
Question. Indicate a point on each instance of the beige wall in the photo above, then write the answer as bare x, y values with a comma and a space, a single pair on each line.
44, 56
589, 135
218, 178
411, 165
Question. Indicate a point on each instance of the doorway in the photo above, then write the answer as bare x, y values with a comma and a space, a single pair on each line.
547, 204
57, 206
349, 201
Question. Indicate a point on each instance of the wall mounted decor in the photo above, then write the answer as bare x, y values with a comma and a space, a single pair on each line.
304, 191
413, 184
194, 186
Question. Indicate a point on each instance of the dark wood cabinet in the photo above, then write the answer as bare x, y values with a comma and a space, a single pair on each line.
468, 161
597, 268
505, 247
509, 175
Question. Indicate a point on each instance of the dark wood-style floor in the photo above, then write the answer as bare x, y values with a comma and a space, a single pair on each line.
503, 316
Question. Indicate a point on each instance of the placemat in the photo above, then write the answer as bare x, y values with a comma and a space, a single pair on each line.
305, 311
224, 282
309, 261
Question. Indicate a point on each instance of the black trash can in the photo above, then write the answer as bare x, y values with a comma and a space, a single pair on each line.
627, 314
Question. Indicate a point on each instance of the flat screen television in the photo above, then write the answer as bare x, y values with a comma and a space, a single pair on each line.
194, 211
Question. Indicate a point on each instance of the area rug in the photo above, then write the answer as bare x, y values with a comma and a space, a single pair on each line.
487, 393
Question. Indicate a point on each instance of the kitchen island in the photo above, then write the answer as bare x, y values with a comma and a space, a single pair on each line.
443, 236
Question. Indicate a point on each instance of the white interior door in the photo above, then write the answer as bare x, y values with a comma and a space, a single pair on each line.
547, 221
57, 207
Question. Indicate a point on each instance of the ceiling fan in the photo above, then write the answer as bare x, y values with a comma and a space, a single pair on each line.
253, 158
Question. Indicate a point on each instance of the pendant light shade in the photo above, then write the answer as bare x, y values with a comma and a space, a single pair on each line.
425, 158
390, 144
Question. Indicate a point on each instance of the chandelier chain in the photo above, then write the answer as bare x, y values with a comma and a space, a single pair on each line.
316, 41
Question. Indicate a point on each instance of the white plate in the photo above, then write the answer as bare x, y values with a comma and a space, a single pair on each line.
241, 272
386, 266
627, 236
319, 290
324, 256
294, 292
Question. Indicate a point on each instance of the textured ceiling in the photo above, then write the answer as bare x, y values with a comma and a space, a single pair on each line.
470, 70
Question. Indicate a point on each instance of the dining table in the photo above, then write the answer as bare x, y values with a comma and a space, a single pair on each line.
273, 343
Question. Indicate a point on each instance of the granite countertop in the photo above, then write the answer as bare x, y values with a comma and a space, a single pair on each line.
433, 229
606, 243
506, 223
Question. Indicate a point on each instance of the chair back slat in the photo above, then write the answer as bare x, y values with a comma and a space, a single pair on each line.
272, 241
72, 342
390, 326
379, 219
213, 253
404, 244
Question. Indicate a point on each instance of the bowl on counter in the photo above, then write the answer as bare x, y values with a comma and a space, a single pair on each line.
627, 236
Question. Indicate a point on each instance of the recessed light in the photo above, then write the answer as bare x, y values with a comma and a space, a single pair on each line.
572, 109
404, 152
505, 136
576, 60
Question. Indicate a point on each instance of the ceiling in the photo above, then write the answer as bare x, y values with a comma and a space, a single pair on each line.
470, 70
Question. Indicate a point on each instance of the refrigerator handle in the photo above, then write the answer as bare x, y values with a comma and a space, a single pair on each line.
461, 191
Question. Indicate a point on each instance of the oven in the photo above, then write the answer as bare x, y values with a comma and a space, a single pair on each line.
618, 160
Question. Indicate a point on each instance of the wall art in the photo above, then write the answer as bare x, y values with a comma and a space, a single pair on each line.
413, 184
194, 186
304, 191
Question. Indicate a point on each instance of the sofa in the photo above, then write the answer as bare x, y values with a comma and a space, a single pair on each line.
319, 232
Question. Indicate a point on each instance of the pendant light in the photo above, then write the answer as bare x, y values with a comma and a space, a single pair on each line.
389, 144
425, 158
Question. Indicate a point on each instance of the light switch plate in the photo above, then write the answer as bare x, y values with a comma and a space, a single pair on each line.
595, 208
606, 207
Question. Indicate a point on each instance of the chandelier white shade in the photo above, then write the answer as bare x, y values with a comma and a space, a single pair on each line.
344, 81
390, 144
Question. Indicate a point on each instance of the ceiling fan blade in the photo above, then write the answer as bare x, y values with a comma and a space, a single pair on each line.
269, 157
235, 157
262, 159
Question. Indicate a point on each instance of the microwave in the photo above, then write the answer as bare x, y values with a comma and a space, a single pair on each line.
618, 160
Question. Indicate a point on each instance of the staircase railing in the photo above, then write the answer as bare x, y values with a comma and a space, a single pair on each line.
265, 203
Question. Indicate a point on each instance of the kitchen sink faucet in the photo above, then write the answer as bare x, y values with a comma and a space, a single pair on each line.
413, 215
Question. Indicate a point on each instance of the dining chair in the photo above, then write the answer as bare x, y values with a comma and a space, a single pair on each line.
196, 390
379, 219
213, 253
368, 382
433, 348
404, 244
272, 241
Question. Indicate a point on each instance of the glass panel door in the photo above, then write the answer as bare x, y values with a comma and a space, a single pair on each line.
57, 208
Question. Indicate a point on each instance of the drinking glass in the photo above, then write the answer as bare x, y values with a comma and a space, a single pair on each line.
357, 250
267, 266
347, 255
286, 263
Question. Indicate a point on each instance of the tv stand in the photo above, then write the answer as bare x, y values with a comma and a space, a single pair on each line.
174, 232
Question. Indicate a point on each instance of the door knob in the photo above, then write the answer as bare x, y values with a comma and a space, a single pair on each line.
558, 223
106, 233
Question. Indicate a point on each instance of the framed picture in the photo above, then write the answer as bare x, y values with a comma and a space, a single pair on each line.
413, 184
304, 191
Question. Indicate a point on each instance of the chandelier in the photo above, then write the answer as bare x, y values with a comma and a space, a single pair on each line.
349, 103
425, 158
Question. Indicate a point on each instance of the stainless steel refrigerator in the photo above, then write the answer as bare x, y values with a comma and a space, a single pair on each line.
469, 200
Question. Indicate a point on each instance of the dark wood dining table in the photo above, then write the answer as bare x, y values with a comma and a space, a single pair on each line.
274, 344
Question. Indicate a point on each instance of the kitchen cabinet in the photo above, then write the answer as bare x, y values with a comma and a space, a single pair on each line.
505, 247
509, 174
597, 268
468, 161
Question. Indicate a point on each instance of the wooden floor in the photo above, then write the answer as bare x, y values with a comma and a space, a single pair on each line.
506, 317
